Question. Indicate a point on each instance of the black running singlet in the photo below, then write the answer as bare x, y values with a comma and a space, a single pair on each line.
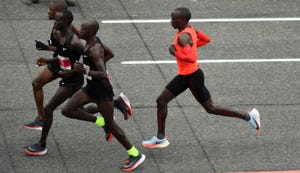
86, 60
66, 57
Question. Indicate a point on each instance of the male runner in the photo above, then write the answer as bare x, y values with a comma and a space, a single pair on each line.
69, 50
186, 41
49, 73
100, 91
29, 2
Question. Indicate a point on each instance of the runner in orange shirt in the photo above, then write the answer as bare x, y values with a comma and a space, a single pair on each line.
186, 42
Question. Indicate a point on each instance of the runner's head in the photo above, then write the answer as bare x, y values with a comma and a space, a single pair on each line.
63, 19
180, 17
55, 6
89, 28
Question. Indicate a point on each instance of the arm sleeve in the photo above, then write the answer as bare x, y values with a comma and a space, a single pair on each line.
187, 54
202, 39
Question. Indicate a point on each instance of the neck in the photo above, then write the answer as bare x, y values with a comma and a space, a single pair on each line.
90, 40
64, 31
183, 27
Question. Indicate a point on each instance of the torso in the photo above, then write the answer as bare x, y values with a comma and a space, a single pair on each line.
186, 68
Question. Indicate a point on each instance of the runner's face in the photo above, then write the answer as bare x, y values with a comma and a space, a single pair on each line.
176, 19
52, 11
59, 22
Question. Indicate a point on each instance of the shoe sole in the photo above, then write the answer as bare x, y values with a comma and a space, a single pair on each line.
109, 138
141, 160
33, 127
163, 145
32, 153
127, 103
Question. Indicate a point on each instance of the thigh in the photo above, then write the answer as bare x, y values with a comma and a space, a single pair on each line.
61, 95
166, 96
198, 88
77, 100
45, 76
177, 85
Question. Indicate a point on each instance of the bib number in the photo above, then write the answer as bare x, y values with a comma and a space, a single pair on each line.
64, 62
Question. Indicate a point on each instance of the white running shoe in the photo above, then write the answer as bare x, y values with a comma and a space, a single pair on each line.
255, 121
154, 142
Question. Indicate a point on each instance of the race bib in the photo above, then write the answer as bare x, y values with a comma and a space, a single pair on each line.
64, 62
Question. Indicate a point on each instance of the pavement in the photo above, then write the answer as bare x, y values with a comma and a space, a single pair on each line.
199, 142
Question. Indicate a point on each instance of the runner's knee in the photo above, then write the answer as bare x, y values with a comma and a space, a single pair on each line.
160, 101
36, 84
66, 112
48, 110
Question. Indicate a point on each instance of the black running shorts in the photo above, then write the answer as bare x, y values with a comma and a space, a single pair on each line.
194, 81
99, 90
54, 68
76, 80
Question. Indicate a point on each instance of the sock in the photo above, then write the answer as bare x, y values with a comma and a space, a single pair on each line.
100, 121
133, 152
160, 135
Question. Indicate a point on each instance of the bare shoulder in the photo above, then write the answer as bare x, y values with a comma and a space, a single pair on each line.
76, 43
184, 38
97, 50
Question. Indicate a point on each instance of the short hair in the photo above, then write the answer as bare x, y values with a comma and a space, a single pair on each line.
67, 16
184, 13
61, 5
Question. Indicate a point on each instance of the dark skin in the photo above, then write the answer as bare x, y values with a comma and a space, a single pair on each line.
72, 109
108, 54
63, 92
178, 22
45, 76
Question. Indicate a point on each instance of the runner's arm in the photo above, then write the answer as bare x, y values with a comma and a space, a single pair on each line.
185, 41
108, 54
203, 39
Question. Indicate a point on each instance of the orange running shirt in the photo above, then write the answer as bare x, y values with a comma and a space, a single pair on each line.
184, 67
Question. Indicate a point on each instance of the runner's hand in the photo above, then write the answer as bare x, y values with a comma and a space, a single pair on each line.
78, 66
41, 61
172, 49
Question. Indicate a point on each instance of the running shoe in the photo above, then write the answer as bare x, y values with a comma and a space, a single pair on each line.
124, 106
255, 121
108, 134
132, 162
35, 149
154, 142
37, 124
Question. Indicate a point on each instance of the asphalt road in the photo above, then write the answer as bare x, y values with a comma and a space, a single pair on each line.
199, 142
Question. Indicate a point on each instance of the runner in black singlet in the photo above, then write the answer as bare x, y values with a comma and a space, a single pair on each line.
100, 91
69, 49
50, 72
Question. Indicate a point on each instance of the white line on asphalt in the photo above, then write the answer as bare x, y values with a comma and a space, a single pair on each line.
215, 61
206, 20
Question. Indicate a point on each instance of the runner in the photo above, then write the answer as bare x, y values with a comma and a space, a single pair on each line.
100, 91
186, 41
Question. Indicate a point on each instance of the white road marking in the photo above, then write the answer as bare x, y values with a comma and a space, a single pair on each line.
282, 19
214, 61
